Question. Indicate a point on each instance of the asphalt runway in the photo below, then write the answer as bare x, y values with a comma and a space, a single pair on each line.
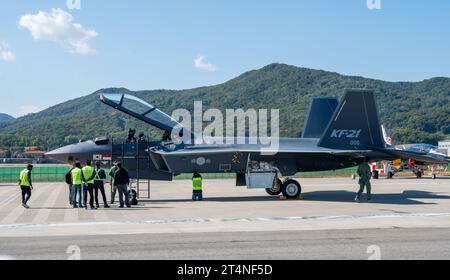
408, 219
378, 244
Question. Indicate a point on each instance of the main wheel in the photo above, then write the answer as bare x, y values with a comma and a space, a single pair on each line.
276, 188
292, 189
132, 196
376, 175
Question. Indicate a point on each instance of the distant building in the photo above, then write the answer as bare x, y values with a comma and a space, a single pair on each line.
444, 147
34, 154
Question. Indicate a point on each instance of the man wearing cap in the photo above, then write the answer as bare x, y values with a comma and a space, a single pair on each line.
112, 172
26, 185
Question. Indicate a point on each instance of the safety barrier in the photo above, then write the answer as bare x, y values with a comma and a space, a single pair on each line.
52, 173
47, 173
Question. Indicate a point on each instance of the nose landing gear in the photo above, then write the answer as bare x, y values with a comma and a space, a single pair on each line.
290, 189
276, 188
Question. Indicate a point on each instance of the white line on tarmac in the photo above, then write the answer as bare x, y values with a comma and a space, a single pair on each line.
17, 212
100, 215
12, 194
71, 215
223, 220
10, 199
43, 214
6, 191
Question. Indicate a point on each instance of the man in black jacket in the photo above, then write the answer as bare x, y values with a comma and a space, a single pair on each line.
112, 171
121, 181
68, 178
99, 184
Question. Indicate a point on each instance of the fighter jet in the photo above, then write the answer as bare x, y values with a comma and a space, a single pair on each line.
423, 157
336, 136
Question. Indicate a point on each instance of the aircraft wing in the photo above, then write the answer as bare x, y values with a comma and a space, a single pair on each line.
235, 159
212, 151
417, 156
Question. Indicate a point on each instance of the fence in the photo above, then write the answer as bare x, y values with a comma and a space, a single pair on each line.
40, 173
52, 173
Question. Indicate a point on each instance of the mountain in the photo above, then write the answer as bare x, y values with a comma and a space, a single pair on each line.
414, 111
5, 118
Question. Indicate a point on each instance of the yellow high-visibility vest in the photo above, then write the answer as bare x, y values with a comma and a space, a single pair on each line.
197, 184
88, 171
97, 175
76, 176
24, 178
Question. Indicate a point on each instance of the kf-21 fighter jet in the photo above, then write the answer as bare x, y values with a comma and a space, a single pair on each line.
336, 136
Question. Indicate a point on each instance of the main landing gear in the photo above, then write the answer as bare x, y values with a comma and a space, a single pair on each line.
418, 174
290, 189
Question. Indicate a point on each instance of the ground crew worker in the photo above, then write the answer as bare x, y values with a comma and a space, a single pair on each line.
388, 171
77, 183
99, 184
68, 178
26, 185
365, 174
122, 181
88, 175
197, 186
113, 186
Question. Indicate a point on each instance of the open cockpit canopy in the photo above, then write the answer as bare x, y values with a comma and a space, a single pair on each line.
141, 110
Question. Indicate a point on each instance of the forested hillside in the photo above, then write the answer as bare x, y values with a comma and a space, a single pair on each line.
414, 111
5, 118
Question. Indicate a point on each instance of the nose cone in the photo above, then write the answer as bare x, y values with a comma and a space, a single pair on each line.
61, 154
81, 152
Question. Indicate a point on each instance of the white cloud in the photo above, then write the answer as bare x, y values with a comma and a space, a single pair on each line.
200, 63
5, 53
59, 26
28, 109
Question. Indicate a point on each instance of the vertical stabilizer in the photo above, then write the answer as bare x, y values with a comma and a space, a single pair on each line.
386, 137
355, 124
319, 115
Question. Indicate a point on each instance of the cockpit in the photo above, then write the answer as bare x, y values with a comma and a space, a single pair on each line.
172, 130
141, 110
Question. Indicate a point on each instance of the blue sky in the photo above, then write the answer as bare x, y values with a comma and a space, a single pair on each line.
61, 53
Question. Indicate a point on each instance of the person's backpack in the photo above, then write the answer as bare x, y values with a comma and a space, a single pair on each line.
69, 178
102, 174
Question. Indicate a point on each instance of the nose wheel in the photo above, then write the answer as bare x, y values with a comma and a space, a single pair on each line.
276, 188
292, 189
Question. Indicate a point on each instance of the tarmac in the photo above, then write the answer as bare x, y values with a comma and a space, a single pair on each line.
407, 219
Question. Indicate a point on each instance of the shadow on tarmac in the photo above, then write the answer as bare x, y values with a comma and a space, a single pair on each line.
134, 208
219, 199
423, 178
405, 198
